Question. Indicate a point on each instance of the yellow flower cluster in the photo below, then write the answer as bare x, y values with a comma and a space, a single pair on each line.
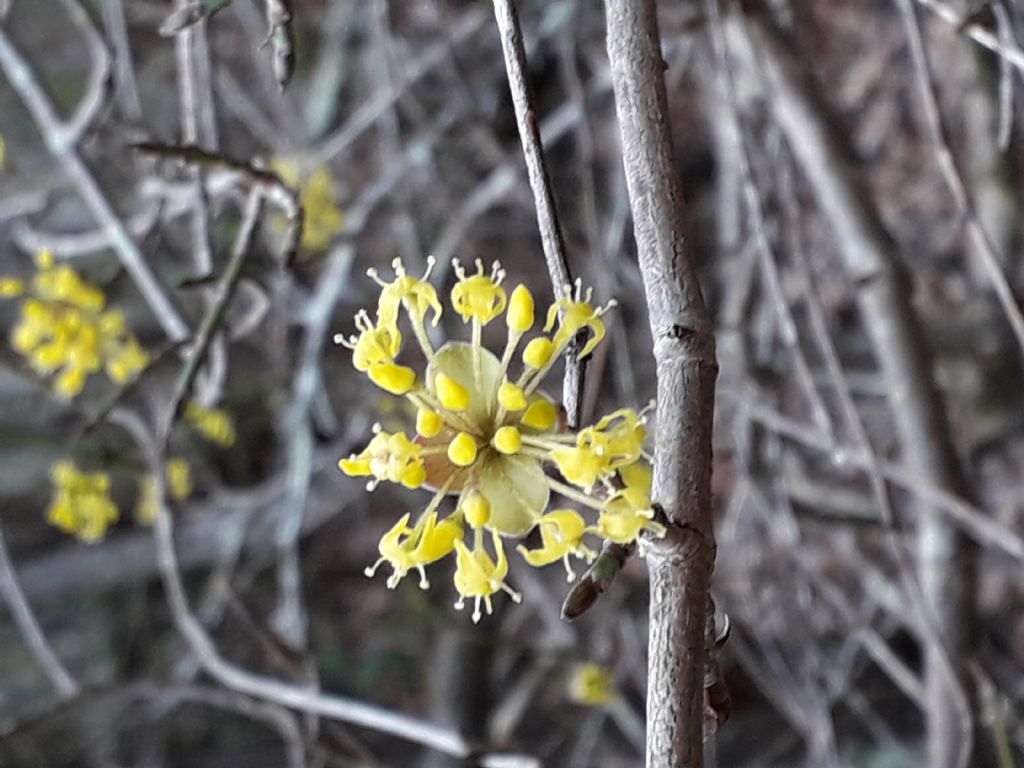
81, 505
64, 330
485, 436
178, 476
215, 425
591, 685
323, 218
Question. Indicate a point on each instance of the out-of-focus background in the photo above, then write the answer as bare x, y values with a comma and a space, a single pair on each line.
397, 129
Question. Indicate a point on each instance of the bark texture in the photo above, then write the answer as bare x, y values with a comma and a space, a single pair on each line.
680, 564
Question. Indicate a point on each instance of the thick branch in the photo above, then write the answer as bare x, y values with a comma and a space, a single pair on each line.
680, 564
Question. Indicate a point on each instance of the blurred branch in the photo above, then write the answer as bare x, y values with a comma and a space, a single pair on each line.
30, 630
684, 350
62, 139
551, 237
984, 248
269, 689
1007, 49
371, 110
215, 313
945, 558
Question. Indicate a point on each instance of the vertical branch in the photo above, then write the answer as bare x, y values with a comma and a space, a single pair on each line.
551, 236
684, 350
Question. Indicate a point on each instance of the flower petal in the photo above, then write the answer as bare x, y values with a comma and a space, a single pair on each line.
455, 359
518, 491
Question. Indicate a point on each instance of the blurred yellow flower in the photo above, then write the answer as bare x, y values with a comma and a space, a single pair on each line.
323, 218
64, 330
215, 425
178, 475
591, 685
81, 504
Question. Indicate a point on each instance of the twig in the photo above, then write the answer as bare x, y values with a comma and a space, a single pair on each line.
61, 140
281, 38
371, 110
943, 600
983, 245
30, 630
1006, 49
269, 689
199, 127
684, 350
551, 237
215, 314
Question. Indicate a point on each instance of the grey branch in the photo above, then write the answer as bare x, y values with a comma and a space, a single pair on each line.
551, 237
30, 630
684, 350
62, 140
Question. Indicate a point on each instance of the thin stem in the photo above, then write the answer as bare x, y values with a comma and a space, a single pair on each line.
552, 239
30, 630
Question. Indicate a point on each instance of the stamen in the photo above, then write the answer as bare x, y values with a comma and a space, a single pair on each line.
431, 261
370, 570
476, 610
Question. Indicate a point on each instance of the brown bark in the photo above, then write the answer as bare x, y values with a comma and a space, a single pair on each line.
680, 564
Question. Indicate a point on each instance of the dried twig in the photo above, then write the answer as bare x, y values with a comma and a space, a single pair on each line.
1009, 50
984, 248
871, 256
61, 139
29, 628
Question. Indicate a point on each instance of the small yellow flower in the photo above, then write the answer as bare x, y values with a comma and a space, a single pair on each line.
577, 314
478, 575
480, 297
179, 479
178, 476
391, 457
591, 685
215, 425
66, 333
415, 294
81, 504
487, 434
628, 511
322, 217
406, 549
561, 533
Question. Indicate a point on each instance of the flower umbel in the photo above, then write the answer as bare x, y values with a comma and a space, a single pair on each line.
66, 332
591, 685
488, 436
81, 504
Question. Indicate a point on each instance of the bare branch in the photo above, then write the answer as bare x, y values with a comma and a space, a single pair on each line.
61, 140
684, 350
30, 630
551, 237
